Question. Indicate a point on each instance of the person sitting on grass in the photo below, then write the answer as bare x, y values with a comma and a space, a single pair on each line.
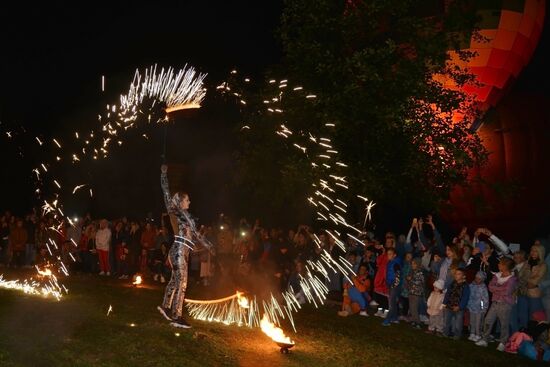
357, 293
503, 287
393, 282
455, 302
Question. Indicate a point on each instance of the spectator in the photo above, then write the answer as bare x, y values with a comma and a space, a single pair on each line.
393, 282
538, 270
358, 292
416, 285
435, 308
502, 286
159, 263
103, 244
520, 310
477, 305
455, 302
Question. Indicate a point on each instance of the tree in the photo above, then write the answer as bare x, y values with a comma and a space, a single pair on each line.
371, 66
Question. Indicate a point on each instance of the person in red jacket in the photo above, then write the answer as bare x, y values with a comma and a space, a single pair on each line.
380, 287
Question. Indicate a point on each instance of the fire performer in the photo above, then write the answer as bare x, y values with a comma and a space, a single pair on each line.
184, 234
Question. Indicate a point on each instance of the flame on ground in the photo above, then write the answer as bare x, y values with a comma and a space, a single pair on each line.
138, 280
274, 332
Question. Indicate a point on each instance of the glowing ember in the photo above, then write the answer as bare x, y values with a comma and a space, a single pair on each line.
243, 301
275, 333
47, 272
138, 280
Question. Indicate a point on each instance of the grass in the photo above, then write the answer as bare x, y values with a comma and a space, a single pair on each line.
77, 332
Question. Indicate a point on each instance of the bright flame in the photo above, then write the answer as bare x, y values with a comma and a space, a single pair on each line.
274, 332
138, 280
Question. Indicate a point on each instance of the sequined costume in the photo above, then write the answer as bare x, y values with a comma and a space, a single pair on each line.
174, 295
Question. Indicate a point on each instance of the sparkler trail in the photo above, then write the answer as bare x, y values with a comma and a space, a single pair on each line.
327, 196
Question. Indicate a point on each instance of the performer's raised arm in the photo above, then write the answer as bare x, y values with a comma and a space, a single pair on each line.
165, 189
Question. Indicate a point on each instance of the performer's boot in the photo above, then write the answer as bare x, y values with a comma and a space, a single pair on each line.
181, 323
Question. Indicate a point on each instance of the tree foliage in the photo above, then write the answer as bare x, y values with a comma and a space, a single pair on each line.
371, 63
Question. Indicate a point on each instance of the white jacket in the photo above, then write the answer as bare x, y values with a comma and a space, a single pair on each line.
103, 239
435, 303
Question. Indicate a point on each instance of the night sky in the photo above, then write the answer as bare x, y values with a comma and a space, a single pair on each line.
53, 57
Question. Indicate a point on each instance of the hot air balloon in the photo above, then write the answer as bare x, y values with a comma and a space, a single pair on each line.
508, 193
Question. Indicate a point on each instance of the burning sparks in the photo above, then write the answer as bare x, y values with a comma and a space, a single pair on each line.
45, 285
181, 90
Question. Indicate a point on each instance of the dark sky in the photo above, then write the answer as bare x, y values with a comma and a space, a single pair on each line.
53, 55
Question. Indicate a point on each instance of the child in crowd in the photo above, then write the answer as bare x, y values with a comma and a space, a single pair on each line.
477, 305
416, 285
393, 282
435, 308
455, 302
357, 293
502, 286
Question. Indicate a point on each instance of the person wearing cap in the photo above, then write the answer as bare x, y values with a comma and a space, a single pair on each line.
499, 244
435, 308
477, 305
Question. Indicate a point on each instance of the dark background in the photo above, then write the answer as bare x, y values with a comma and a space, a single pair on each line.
53, 57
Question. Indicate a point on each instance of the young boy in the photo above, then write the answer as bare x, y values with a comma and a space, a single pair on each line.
393, 282
502, 286
477, 305
456, 300
435, 308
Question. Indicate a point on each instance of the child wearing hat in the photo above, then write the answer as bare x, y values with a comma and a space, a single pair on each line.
435, 308
477, 305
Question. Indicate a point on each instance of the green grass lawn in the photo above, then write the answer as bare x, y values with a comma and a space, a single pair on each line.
77, 332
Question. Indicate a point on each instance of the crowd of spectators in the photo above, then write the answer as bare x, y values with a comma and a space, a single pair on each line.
476, 282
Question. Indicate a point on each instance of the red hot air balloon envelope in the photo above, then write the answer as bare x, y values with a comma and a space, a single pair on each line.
510, 193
